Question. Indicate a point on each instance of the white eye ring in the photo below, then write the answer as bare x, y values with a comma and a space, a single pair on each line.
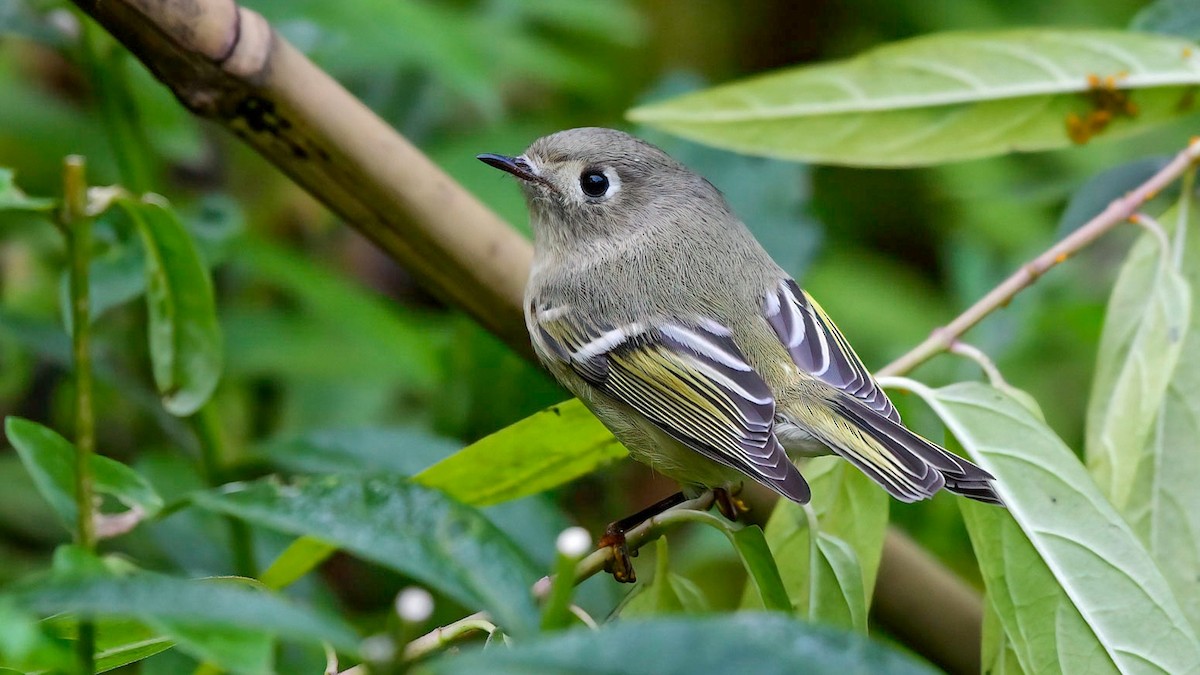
599, 184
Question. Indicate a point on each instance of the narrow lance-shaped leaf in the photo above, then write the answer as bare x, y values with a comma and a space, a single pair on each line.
409, 528
1164, 507
946, 97
50, 460
1071, 583
185, 340
212, 618
1139, 348
540, 452
756, 557
830, 576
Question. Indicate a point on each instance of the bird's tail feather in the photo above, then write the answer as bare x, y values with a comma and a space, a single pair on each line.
908, 466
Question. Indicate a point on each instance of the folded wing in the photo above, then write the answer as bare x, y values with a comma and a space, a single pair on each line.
691, 381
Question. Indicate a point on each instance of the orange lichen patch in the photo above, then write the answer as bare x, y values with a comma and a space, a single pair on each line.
1060, 258
1107, 102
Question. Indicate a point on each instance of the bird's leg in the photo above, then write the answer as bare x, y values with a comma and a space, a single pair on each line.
621, 567
728, 503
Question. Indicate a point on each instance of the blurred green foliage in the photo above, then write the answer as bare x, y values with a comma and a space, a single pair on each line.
334, 359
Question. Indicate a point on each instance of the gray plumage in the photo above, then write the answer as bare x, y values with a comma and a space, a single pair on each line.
651, 301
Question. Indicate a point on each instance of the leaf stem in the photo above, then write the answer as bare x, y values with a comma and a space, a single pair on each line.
77, 226
978, 356
1116, 213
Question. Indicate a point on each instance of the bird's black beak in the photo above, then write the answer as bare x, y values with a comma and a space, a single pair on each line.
517, 166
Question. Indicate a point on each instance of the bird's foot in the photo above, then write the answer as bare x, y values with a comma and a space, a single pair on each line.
621, 567
728, 503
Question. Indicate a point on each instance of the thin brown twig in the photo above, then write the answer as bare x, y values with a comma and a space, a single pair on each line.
1116, 213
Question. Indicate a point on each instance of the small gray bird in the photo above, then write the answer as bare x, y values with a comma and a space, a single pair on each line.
654, 304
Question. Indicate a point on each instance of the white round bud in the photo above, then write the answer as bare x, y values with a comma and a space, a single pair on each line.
573, 542
414, 604
378, 649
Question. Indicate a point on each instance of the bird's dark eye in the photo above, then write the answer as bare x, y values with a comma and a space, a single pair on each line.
594, 183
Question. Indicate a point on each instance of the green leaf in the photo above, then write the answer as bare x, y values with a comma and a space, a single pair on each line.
1143, 334
406, 527
740, 643
945, 97
299, 558
13, 199
119, 642
50, 460
405, 450
1071, 583
756, 557
998, 655
26, 643
206, 614
238, 649
665, 593
830, 577
1164, 507
1170, 17
185, 340
540, 452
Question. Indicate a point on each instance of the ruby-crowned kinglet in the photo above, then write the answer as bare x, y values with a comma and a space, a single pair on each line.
653, 303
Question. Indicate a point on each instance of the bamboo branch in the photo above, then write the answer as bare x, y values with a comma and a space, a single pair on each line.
226, 63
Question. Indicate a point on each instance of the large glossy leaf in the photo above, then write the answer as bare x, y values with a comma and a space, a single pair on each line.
946, 97
195, 612
1071, 583
764, 644
406, 527
185, 340
1164, 507
50, 460
1143, 334
405, 450
830, 576
537, 453
997, 654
